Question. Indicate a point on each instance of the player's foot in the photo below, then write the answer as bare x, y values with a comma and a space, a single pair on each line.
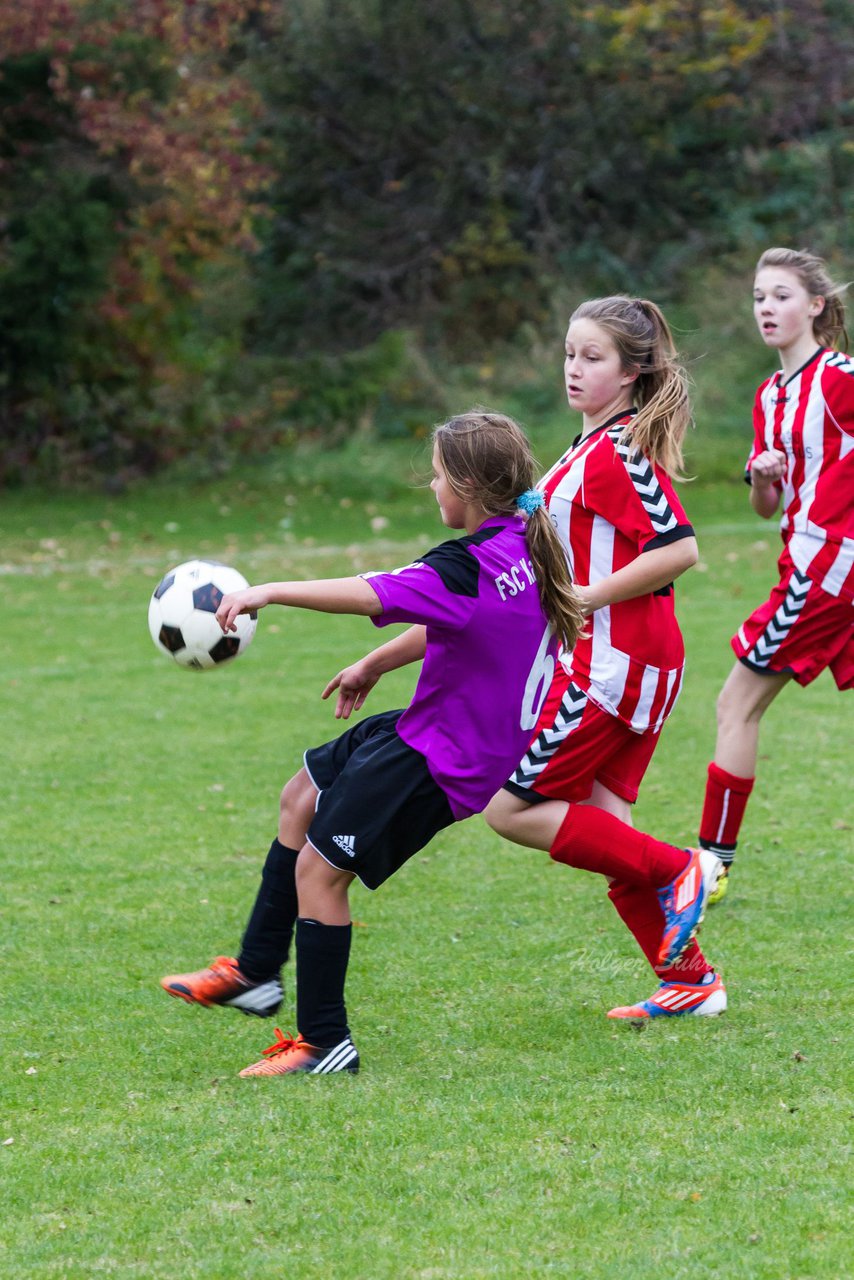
720, 890
288, 1055
675, 998
223, 983
683, 902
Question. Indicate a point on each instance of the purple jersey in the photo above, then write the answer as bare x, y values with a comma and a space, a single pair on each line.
489, 660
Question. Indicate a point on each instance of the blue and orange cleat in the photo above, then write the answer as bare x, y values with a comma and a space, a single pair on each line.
287, 1055
675, 998
683, 902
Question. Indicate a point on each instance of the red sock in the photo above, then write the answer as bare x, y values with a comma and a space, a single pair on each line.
639, 909
723, 809
594, 840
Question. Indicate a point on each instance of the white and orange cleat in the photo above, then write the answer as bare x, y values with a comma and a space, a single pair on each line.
287, 1055
223, 983
675, 998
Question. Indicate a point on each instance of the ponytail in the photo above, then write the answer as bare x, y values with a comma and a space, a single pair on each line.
558, 597
662, 398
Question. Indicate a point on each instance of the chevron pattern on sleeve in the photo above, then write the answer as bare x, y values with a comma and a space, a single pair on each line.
782, 622
548, 740
841, 360
655, 504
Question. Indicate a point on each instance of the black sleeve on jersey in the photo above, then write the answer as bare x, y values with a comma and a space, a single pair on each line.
673, 535
458, 570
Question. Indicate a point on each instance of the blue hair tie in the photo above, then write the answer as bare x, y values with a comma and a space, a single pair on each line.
530, 501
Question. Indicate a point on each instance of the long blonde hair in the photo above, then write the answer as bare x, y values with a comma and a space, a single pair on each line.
645, 344
487, 460
829, 325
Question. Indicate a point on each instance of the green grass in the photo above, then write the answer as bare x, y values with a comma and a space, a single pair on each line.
501, 1126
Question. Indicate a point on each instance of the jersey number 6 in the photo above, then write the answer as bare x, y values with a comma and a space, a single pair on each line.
537, 684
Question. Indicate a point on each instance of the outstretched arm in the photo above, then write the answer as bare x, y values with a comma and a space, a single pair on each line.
355, 682
650, 571
326, 595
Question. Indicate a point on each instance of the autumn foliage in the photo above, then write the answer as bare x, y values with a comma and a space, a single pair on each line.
218, 221
128, 173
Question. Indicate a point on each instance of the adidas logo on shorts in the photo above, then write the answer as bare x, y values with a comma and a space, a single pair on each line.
347, 843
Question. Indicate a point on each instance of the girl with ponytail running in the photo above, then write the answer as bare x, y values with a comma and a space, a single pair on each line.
627, 538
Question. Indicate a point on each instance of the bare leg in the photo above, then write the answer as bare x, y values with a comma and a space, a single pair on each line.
742, 702
296, 809
323, 890
536, 825
533, 825
603, 798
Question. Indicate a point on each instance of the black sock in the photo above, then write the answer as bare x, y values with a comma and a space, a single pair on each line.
323, 951
268, 934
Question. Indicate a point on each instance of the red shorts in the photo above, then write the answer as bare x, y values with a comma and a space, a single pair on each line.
799, 630
576, 744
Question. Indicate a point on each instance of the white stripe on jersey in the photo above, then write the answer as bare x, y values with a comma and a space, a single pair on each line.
834, 580
669, 699
606, 502
813, 438
804, 547
816, 444
648, 690
603, 657
560, 506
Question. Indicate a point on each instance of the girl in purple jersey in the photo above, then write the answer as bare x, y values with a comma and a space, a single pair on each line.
488, 611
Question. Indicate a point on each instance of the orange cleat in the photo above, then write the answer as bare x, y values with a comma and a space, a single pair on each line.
675, 998
223, 983
287, 1055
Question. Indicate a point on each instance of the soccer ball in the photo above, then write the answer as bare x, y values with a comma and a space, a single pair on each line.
182, 615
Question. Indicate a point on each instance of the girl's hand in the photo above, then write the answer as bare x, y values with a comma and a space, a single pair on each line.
586, 598
768, 467
237, 602
353, 684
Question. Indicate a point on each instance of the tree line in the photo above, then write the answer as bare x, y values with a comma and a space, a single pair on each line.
225, 224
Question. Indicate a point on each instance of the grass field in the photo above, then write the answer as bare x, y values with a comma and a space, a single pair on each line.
501, 1127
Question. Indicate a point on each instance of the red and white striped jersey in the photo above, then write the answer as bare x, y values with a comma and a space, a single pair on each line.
609, 504
810, 418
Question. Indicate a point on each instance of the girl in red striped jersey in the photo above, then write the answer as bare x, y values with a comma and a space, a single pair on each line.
802, 456
612, 499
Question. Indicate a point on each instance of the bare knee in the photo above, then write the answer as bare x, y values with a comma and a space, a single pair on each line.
502, 814
727, 709
746, 696
298, 799
532, 825
322, 889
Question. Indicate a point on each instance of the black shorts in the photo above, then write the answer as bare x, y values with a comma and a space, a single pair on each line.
378, 802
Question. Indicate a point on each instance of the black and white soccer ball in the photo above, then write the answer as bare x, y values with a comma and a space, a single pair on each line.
182, 615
